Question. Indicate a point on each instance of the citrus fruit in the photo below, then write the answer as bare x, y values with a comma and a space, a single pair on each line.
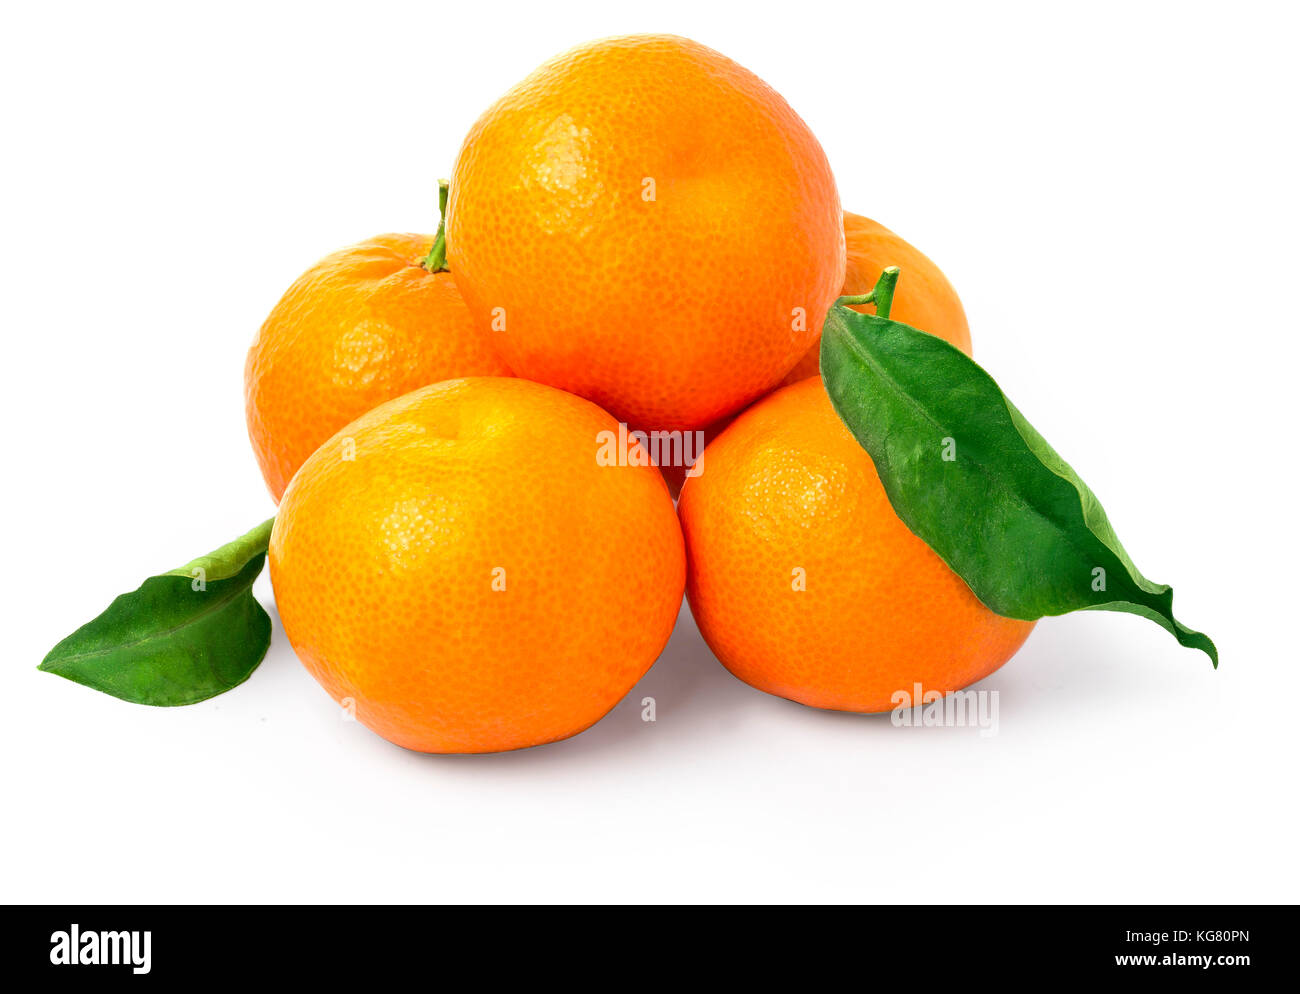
459, 565
362, 326
803, 580
649, 225
924, 299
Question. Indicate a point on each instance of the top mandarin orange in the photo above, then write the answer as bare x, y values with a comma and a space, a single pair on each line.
649, 225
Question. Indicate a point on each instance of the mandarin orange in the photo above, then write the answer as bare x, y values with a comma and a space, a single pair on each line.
362, 326
649, 225
924, 299
803, 580
461, 567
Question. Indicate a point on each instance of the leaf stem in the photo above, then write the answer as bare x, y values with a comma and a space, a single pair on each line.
884, 291
436, 260
882, 294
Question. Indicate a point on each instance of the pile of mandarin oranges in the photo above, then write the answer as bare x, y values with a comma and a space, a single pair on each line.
641, 241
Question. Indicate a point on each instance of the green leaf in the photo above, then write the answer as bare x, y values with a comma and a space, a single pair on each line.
181, 637
968, 474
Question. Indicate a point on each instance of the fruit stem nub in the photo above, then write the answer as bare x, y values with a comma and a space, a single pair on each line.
436, 260
882, 294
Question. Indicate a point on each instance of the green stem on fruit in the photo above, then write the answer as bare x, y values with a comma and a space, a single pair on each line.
884, 291
882, 294
436, 260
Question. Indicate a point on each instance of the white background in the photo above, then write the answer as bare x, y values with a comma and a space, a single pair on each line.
1113, 192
